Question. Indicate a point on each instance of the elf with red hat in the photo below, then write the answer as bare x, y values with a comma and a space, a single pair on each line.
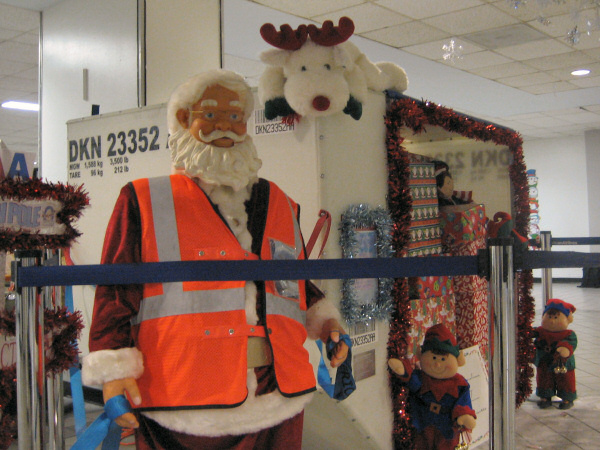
440, 397
554, 355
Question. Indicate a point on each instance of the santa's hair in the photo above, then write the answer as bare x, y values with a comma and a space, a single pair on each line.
188, 93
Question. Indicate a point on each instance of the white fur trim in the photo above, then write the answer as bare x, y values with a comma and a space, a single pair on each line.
318, 314
106, 365
255, 414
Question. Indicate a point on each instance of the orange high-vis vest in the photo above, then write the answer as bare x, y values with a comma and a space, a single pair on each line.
194, 335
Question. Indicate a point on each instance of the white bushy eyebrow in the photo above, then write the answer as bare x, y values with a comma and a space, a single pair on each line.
209, 102
236, 103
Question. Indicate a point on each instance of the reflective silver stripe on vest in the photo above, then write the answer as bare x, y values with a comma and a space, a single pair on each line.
174, 300
284, 307
190, 302
297, 234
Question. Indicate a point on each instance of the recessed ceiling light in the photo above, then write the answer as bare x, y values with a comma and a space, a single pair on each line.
24, 106
580, 72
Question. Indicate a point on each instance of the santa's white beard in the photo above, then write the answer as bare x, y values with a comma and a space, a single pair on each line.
235, 166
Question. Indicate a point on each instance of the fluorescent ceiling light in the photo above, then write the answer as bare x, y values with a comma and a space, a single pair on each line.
21, 105
580, 72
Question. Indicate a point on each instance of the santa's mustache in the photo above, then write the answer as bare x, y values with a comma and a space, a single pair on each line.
217, 134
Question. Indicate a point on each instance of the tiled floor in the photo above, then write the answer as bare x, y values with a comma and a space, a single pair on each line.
577, 428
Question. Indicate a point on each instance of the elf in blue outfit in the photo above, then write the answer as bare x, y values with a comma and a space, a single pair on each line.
440, 398
554, 359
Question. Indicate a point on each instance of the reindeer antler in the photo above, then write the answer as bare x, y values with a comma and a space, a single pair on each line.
287, 38
328, 35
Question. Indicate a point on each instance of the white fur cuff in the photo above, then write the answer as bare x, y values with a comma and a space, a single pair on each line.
106, 365
318, 314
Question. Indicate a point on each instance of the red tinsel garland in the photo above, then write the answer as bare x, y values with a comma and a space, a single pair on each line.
62, 329
73, 199
416, 115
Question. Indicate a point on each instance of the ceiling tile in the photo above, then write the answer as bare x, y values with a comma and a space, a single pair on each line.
534, 49
19, 19
16, 51
479, 59
592, 108
565, 72
587, 82
407, 34
309, 8
434, 50
583, 117
31, 38
528, 79
18, 83
427, 8
588, 40
549, 88
505, 36
558, 26
471, 20
544, 121
11, 67
571, 59
366, 17
503, 70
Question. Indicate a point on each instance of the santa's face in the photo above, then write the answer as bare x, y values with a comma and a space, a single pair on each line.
438, 366
217, 118
554, 320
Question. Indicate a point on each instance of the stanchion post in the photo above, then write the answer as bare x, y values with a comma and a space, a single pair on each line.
53, 298
546, 245
31, 379
502, 338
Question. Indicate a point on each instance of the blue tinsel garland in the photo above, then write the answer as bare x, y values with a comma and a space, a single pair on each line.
356, 217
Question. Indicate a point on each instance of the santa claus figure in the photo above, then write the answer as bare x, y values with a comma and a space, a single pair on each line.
208, 364
554, 359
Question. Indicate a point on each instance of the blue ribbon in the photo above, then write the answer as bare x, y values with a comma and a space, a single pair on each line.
344, 380
100, 428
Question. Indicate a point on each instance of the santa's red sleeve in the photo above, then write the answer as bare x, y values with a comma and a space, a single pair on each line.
112, 354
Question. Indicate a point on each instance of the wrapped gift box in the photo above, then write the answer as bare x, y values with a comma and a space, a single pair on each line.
424, 313
426, 287
462, 225
469, 283
472, 320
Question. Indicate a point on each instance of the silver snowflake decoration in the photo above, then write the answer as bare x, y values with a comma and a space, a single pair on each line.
516, 4
573, 36
452, 51
543, 20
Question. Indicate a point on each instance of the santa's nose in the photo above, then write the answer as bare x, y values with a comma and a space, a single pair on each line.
223, 125
321, 103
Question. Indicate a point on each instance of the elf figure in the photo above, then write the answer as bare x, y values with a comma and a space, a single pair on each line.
554, 355
440, 397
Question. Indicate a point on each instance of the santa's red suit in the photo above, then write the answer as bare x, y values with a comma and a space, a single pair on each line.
213, 416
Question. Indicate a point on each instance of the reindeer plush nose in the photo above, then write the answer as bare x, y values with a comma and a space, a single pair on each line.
320, 103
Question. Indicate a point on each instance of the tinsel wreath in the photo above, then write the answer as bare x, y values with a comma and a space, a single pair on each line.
416, 116
73, 199
61, 331
363, 217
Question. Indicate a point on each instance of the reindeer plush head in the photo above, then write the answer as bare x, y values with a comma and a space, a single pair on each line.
318, 72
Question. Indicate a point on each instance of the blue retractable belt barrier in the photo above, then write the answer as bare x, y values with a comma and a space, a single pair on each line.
138, 273
344, 380
100, 428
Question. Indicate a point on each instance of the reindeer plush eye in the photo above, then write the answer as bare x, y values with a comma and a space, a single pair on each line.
303, 68
327, 66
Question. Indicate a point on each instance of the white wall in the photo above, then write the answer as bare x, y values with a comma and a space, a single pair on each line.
182, 39
77, 35
560, 166
592, 145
